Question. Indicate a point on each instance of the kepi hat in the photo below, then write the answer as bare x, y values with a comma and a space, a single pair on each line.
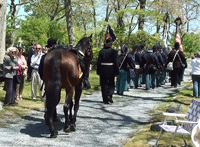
109, 40
125, 48
176, 45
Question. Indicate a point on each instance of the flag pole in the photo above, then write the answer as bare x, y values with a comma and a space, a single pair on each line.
177, 36
166, 29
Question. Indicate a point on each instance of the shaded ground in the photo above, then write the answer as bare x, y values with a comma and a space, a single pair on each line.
98, 125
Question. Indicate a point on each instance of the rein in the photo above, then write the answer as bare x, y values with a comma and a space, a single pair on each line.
81, 55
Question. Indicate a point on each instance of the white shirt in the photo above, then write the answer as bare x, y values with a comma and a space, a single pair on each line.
35, 60
195, 63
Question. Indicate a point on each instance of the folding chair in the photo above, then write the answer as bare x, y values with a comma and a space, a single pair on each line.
195, 135
184, 126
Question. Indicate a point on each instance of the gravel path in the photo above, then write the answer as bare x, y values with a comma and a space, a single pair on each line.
98, 125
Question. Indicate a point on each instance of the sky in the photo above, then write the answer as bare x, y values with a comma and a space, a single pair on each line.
194, 25
21, 12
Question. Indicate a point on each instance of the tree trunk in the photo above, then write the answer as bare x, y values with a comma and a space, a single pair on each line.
108, 12
141, 17
157, 27
69, 21
95, 23
3, 6
14, 10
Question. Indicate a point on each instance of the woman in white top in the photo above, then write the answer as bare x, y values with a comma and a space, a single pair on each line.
196, 75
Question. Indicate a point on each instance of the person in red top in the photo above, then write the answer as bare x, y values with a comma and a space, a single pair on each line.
23, 65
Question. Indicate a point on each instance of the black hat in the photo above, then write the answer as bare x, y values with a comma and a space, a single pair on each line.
176, 45
125, 48
142, 45
51, 42
109, 40
155, 48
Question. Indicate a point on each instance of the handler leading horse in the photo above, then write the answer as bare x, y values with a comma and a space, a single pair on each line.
62, 70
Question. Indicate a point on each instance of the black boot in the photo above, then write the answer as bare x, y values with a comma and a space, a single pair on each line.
85, 84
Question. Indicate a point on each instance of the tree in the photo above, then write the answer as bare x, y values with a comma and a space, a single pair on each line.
3, 6
191, 42
12, 20
69, 21
141, 18
40, 8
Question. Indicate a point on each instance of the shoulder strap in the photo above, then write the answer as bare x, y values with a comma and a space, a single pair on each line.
123, 60
175, 55
180, 59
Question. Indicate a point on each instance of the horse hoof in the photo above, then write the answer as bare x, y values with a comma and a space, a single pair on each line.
54, 134
73, 127
67, 130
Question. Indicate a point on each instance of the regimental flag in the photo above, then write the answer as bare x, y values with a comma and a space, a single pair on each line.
178, 39
110, 33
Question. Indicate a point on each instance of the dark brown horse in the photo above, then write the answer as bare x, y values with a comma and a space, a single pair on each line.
62, 70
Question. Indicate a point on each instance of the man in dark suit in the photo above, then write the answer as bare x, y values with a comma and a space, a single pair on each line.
144, 57
107, 69
30, 53
138, 69
160, 66
179, 58
151, 68
164, 74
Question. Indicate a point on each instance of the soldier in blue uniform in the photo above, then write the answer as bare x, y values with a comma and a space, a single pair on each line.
107, 69
144, 56
150, 69
126, 62
160, 66
138, 69
164, 55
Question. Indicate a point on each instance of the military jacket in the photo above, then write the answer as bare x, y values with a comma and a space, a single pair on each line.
107, 63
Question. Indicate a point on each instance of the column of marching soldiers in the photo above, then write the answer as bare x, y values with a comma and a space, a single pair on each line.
150, 68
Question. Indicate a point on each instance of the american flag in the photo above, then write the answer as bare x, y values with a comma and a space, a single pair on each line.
178, 39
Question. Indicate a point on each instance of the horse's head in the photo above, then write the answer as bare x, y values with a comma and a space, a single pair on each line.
84, 47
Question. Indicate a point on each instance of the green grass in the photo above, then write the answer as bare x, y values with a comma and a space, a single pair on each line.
28, 104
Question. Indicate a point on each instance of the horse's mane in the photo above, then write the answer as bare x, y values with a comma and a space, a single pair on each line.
66, 47
81, 42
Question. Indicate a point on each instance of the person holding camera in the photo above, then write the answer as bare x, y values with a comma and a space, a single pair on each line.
10, 67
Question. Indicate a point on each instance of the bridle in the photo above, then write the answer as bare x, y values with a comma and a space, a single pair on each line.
82, 55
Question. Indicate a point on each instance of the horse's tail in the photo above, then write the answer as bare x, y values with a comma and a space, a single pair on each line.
54, 83
56, 74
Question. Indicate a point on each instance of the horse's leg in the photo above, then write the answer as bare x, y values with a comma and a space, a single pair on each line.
51, 103
70, 112
66, 107
49, 121
55, 118
76, 107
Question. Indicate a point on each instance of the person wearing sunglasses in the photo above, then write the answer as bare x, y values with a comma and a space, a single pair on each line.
35, 77
10, 66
